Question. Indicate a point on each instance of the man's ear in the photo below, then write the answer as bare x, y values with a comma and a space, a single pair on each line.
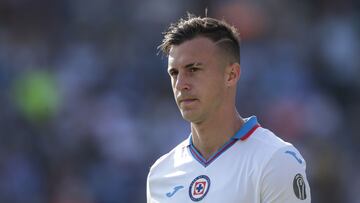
232, 74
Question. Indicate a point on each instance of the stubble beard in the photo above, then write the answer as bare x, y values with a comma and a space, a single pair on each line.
192, 116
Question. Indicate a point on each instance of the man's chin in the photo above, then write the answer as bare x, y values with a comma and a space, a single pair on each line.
191, 117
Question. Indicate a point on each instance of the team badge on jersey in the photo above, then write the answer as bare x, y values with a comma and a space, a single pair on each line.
199, 187
299, 187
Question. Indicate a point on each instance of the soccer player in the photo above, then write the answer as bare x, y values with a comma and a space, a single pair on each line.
226, 158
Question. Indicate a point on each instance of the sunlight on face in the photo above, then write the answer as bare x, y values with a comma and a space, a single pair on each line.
197, 78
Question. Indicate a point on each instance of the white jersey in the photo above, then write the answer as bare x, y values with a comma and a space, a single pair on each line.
254, 166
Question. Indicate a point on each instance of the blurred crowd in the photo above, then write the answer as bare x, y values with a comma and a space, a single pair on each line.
86, 105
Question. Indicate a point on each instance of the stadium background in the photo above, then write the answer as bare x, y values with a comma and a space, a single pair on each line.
86, 105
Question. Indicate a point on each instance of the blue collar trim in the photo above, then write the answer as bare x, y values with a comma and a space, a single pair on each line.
246, 130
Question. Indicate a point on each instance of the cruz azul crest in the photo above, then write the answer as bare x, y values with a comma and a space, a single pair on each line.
199, 187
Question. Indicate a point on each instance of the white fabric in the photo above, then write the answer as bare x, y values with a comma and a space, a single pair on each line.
260, 169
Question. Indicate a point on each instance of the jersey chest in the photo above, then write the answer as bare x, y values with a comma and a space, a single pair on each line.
228, 179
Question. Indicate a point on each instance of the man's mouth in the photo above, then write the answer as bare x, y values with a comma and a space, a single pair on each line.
187, 101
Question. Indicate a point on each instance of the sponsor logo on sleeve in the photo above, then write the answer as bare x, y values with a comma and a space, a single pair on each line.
299, 187
294, 155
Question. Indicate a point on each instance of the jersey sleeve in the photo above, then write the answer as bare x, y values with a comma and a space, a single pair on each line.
284, 178
149, 198
148, 194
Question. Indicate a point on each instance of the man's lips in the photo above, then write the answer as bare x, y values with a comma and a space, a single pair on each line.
187, 101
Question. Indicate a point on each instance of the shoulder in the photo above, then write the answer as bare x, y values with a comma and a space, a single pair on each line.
270, 146
169, 160
283, 171
265, 150
268, 140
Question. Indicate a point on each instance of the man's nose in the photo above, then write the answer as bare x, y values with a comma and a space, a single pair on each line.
182, 82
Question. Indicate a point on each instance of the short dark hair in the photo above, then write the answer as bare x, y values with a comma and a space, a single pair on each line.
217, 31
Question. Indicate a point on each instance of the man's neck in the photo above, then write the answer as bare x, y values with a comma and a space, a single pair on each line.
209, 136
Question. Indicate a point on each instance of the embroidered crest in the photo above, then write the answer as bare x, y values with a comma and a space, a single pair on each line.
199, 187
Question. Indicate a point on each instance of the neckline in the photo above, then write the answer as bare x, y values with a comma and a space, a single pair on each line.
250, 125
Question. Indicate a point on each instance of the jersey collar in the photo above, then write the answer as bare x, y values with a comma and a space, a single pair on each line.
250, 125
247, 129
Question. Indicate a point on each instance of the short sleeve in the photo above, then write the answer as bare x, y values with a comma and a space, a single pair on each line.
148, 194
149, 198
284, 179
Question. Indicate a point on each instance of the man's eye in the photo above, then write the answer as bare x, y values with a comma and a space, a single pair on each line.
173, 73
193, 69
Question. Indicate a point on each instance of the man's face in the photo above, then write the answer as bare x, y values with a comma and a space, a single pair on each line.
196, 68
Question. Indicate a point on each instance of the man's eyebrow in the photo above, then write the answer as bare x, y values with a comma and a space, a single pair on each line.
196, 64
190, 65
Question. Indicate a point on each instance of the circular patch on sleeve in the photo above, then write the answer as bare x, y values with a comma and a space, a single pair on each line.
299, 187
199, 187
